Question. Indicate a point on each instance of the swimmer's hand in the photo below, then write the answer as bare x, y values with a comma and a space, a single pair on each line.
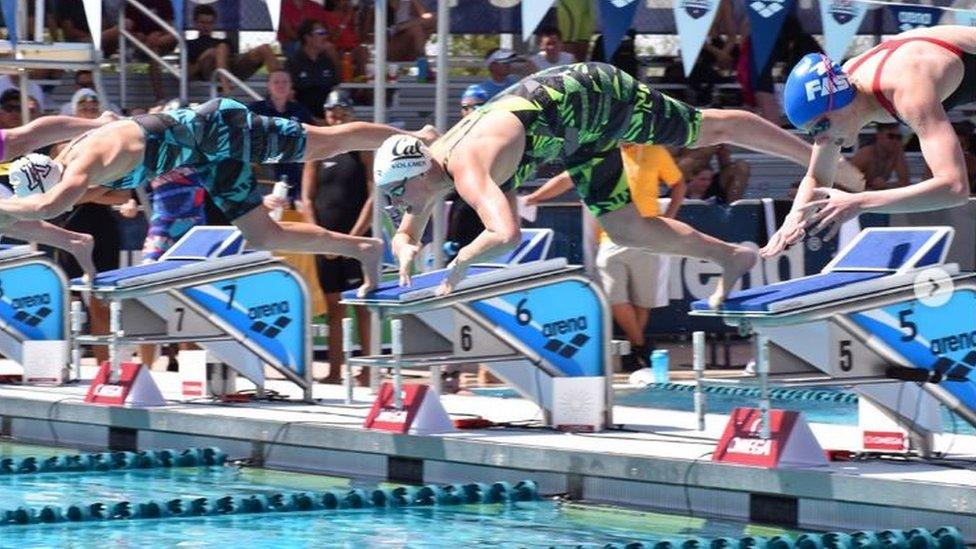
405, 254
848, 177
831, 209
455, 274
130, 209
428, 134
792, 231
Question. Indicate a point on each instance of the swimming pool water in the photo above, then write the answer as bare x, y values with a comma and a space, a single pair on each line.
546, 523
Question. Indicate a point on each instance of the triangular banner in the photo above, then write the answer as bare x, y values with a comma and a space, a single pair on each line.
616, 16
766, 19
841, 19
9, 8
915, 17
532, 14
274, 10
693, 19
93, 16
179, 15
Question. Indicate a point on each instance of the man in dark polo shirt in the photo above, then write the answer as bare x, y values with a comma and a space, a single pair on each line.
279, 103
313, 67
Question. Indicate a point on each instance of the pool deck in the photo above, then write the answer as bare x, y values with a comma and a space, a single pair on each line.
657, 459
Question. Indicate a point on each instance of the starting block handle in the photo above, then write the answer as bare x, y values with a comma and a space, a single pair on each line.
698, 365
347, 352
396, 343
115, 328
78, 319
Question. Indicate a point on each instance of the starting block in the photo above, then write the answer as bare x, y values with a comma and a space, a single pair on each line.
887, 309
247, 309
533, 324
33, 314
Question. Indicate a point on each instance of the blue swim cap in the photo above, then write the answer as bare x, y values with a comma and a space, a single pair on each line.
816, 86
475, 92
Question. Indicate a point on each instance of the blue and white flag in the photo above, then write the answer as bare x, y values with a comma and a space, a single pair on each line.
841, 19
693, 19
766, 19
915, 17
616, 16
965, 18
532, 13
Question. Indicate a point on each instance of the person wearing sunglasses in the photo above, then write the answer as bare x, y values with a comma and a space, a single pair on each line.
913, 79
221, 134
580, 114
883, 159
314, 67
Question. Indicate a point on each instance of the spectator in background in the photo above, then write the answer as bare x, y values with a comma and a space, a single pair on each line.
152, 35
634, 279
206, 54
499, 62
576, 20
70, 18
964, 131
279, 103
10, 109
293, 14
883, 158
12, 82
411, 24
625, 58
551, 52
84, 104
344, 21
729, 178
337, 195
314, 67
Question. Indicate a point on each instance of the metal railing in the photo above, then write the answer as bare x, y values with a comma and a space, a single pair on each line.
180, 72
235, 80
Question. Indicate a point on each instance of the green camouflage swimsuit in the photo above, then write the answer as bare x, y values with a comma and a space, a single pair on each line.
581, 113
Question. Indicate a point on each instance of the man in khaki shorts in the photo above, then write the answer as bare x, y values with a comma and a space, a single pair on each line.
634, 279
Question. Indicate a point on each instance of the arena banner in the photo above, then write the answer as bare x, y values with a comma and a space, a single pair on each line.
914, 17
841, 19
693, 19
766, 19
616, 17
532, 14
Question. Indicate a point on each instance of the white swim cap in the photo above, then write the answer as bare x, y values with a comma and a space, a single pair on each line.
33, 174
400, 157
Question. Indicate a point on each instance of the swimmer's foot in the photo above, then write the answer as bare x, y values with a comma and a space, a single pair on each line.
81, 247
736, 264
371, 254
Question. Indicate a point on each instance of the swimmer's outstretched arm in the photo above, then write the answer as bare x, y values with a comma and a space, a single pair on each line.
750, 131
45, 131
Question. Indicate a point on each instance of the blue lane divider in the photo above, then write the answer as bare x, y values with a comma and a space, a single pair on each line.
918, 538
842, 397
401, 496
109, 461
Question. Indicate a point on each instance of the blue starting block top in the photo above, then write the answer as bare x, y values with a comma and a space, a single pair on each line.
877, 259
199, 244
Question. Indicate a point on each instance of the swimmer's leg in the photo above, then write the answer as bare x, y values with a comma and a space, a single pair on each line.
626, 227
264, 233
80, 245
325, 141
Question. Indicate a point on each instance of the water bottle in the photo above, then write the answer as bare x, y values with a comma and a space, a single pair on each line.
659, 366
423, 68
280, 191
348, 67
